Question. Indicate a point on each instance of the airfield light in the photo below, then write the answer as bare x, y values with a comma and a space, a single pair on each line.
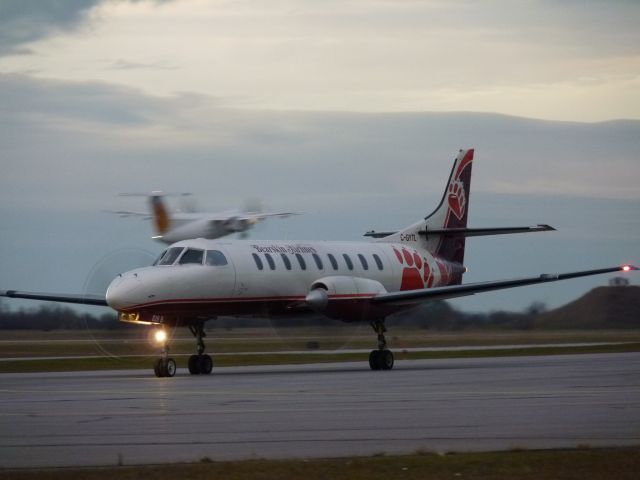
160, 336
626, 268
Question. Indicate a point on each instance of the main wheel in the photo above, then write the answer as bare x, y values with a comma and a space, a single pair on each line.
374, 360
386, 360
205, 364
194, 365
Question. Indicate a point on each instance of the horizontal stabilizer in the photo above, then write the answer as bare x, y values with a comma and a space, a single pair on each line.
469, 232
374, 234
479, 232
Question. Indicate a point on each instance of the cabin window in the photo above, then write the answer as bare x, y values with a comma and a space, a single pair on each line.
348, 261
318, 261
170, 256
286, 261
192, 256
216, 258
363, 261
378, 261
272, 264
258, 261
333, 261
303, 264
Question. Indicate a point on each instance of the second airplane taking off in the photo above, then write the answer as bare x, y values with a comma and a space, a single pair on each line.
196, 280
176, 226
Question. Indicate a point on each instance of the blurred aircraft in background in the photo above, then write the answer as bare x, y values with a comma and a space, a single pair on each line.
173, 227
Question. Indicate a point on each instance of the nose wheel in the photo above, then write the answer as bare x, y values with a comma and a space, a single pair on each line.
201, 363
165, 366
382, 358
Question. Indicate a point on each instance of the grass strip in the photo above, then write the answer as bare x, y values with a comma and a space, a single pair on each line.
122, 363
576, 464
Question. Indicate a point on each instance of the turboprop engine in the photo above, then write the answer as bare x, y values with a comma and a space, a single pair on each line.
237, 225
343, 297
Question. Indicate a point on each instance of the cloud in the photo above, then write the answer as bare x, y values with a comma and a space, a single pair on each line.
23, 21
121, 64
539, 58
119, 139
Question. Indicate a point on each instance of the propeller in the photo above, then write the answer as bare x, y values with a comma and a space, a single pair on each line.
96, 283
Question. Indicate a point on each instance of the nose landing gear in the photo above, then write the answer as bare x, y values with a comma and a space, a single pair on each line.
164, 366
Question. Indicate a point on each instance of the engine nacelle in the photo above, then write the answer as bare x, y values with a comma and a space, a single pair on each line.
237, 225
202, 228
341, 296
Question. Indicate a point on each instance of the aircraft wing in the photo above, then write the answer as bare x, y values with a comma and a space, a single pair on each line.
262, 216
453, 291
57, 297
127, 213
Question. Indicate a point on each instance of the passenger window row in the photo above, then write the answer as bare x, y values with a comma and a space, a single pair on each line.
316, 259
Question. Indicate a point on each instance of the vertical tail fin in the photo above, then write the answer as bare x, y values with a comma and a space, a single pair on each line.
161, 219
452, 212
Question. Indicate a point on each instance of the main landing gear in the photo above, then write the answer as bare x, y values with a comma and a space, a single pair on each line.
200, 363
380, 359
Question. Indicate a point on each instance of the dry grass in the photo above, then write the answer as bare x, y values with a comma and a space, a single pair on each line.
578, 464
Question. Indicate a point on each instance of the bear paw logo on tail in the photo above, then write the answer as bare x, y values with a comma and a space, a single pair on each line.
457, 199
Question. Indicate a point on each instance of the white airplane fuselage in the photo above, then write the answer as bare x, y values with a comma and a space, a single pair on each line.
271, 277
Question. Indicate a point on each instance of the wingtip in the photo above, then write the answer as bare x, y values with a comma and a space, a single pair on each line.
547, 228
629, 268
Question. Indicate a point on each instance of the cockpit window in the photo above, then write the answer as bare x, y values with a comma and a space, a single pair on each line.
216, 258
157, 260
170, 256
192, 255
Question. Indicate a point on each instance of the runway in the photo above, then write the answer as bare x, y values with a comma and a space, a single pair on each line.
322, 410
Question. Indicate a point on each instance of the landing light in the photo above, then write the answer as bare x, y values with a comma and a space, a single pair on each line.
626, 268
160, 336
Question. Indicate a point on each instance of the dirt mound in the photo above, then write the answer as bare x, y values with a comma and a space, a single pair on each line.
602, 307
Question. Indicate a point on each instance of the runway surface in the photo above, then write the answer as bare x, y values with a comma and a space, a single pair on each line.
131, 417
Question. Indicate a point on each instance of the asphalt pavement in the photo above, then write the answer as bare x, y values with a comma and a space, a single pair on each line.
321, 410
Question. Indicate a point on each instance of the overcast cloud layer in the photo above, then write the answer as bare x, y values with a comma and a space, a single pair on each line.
553, 60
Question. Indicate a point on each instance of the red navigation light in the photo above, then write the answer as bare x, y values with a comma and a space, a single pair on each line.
626, 268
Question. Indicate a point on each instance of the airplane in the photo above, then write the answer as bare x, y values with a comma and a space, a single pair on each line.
195, 280
176, 226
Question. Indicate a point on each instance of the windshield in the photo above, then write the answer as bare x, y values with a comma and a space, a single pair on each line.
192, 255
170, 256
157, 260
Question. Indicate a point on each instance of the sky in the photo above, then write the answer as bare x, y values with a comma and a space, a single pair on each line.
350, 111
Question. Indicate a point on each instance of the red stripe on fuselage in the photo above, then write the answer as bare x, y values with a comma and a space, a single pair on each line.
199, 301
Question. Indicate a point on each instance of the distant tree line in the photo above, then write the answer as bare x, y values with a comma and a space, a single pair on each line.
53, 317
